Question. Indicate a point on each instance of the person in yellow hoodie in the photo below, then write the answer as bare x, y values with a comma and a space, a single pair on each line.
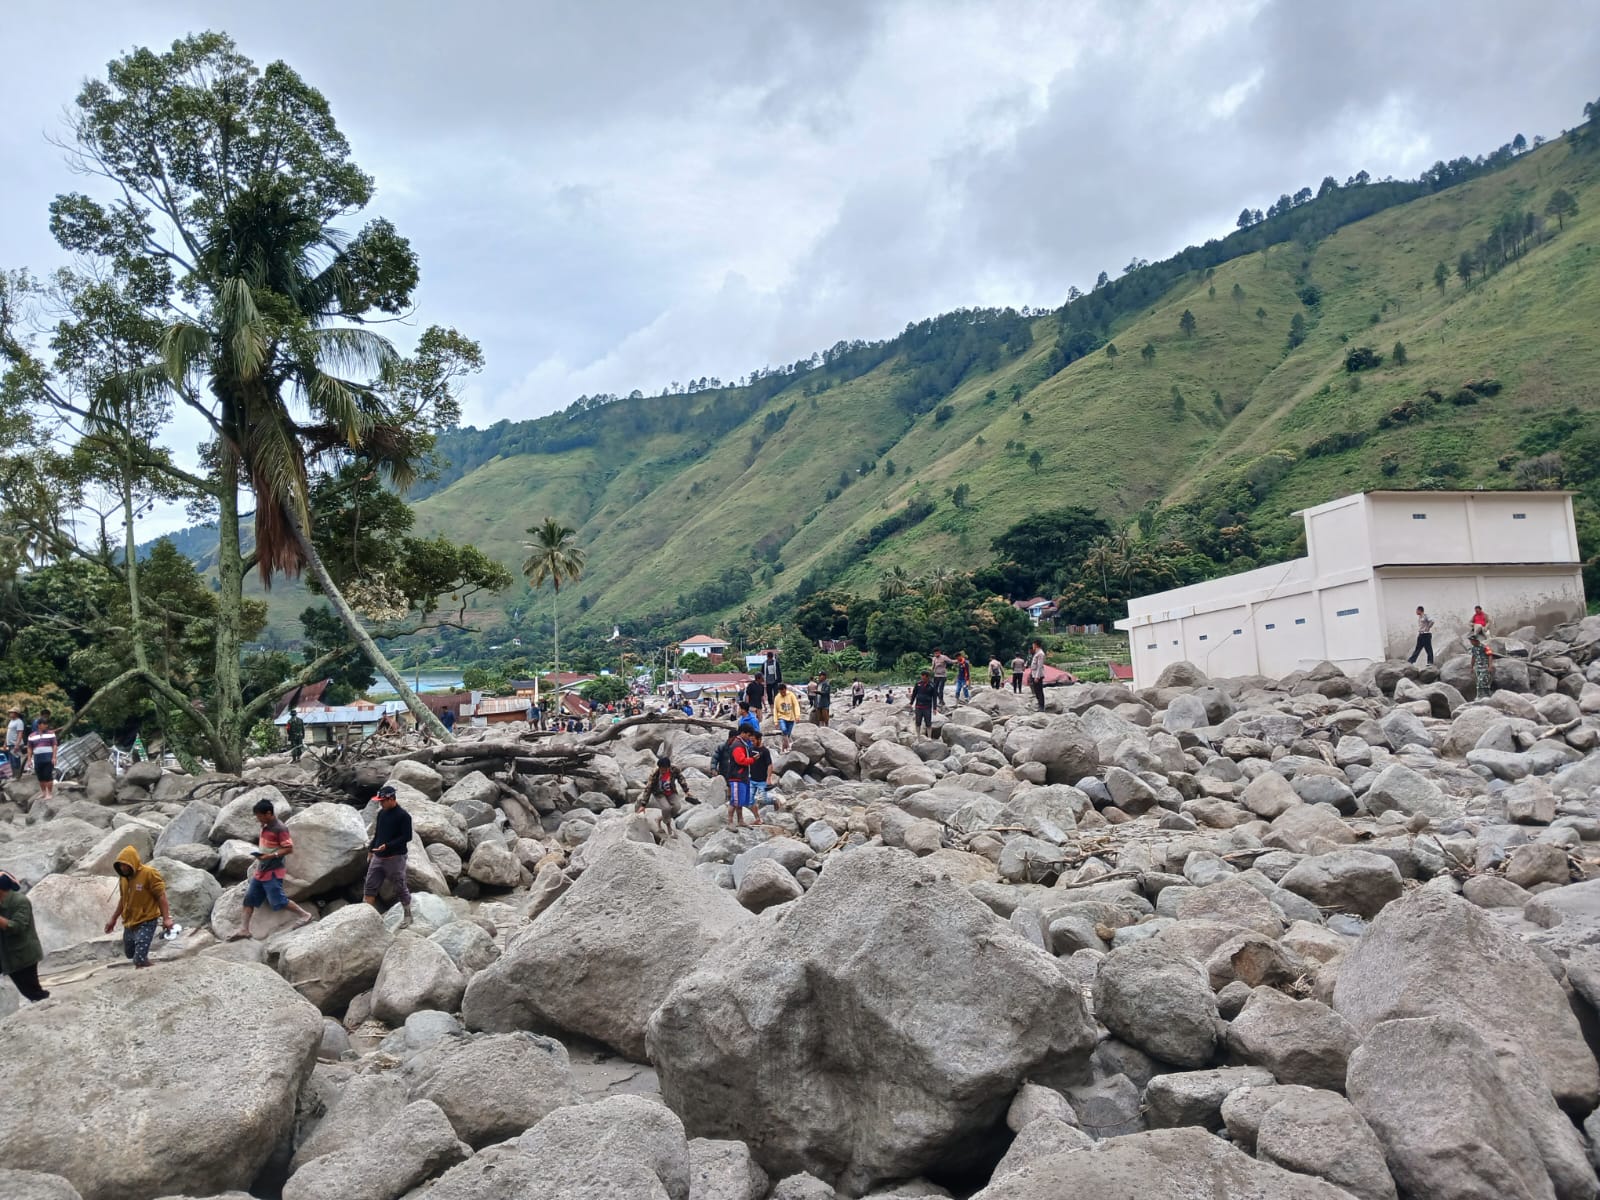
141, 901
786, 707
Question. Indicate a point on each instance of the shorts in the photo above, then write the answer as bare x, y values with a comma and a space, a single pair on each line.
786, 727
758, 793
390, 867
924, 716
739, 793
821, 712
270, 890
44, 772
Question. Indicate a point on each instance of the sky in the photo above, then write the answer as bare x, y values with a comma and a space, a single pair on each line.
618, 195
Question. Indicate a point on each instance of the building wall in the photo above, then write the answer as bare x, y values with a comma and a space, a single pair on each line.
1471, 527
1512, 596
1337, 536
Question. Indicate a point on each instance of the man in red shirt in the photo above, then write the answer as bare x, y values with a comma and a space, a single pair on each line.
1480, 621
266, 883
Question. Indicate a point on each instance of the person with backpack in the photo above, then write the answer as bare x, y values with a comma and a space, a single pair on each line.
995, 671
786, 707
661, 792
741, 757
963, 677
924, 695
822, 706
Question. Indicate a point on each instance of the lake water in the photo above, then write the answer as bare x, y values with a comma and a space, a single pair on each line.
430, 681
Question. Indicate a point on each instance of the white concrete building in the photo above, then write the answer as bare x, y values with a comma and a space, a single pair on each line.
1371, 560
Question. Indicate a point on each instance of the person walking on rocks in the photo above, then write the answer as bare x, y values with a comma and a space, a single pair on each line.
386, 852
141, 902
941, 672
722, 761
1017, 664
755, 694
1036, 672
42, 750
741, 757
266, 882
786, 707
1424, 636
661, 792
858, 693
771, 677
924, 695
20, 951
822, 706
1482, 667
963, 677
760, 772
995, 672
749, 716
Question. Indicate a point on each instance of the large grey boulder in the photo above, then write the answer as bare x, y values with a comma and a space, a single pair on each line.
1434, 954
1160, 1001
1456, 1122
237, 817
619, 1127
494, 1086
35, 1185
722, 1170
330, 849
1355, 881
1164, 1164
1322, 1134
414, 1145
603, 957
332, 961
363, 1105
71, 910
183, 1078
415, 974
899, 1012
189, 827
420, 776
1065, 749
1399, 788
1299, 1041
191, 892
39, 850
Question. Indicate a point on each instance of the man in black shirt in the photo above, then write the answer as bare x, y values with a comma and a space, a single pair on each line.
386, 853
924, 693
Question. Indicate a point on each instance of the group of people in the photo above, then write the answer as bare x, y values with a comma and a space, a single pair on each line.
1478, 646
31, 746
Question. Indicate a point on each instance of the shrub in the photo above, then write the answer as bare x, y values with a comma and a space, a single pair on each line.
943, 413
1310, 295
1389, 464
1336, 443
1362, 358
1463, 398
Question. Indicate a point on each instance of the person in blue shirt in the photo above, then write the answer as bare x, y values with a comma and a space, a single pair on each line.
748, 717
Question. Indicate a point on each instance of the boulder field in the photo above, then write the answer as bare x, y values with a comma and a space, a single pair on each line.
1327, 936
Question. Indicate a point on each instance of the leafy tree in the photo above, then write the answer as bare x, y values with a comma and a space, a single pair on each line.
1465, 266
1039, 547
824, 614
1297, 330
1186, 323
1148, 353
1211, 292
1441, 276
1561, 205
1238, 295
889, 468
960, 495
1361, 358
554, 556
1035, 460
604, 689
1261, 314
1398, 354
943, 413
1111, 350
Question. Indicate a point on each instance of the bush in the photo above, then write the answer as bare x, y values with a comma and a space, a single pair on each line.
265, 738
1389, 464
943, 413
1336, 443
1463, 398
1310, 295
1362, 358
909, 665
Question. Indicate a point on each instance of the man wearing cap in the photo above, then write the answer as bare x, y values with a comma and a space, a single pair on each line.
386, 853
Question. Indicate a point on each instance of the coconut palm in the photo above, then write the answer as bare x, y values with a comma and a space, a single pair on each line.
941, 581
554, 555
897, 582
290, 385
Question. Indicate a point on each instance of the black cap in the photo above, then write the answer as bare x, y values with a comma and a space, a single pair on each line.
663, 761
387, 790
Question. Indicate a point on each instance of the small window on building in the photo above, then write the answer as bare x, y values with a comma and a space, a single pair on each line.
1271, 625
1419, 516
1347, 612
1237, 632
1519, 516
1151, 646
1174, 641
1299, 620
1204, 636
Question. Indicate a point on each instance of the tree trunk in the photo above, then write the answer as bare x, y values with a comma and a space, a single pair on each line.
227, 690
358, 632
555, 616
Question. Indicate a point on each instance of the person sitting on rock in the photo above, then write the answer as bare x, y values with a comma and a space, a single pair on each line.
386, 853
141, 902
20, 951
266, 883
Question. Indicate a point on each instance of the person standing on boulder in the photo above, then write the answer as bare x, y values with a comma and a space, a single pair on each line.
141, 902
963, 677
42, 750
741, 757
822, 706
786, 707
1017, 664
661, 792
995, 671
924, 695
16, 741
1482, 667
1424, 636
296, 729
386, 852
760, 773
755, 693
941, 672
1036, 672
266, 883
858, 693
20, 951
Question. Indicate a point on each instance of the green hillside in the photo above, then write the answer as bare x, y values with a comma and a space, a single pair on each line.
677, 497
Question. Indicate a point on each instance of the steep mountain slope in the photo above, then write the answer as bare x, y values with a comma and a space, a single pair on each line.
679, 498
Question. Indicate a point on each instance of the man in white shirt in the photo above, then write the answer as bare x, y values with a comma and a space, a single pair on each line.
1424, 636
16, 741
1036, 673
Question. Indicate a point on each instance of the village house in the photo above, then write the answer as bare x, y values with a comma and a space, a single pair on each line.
707, 647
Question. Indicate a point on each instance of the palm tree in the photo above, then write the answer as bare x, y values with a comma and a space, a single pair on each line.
897, 582
941, 580
281, 374
554, 554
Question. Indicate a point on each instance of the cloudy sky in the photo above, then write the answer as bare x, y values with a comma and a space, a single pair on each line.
623, 193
